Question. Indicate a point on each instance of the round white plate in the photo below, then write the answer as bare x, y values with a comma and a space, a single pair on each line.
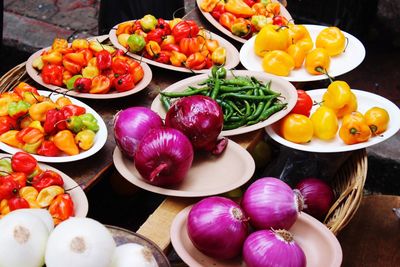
320, 246
209, 175
100, 139
366, 101
227, 32
345, 62
81, 204
285, 88
35, 75
232, 54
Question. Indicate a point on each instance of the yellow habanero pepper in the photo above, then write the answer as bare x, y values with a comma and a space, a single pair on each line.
239, 8
63, 101
317, 61
299, 35
79, 44
30, 194
37, 125
298, 54
332, 39
153, 48
53, 57
10, 138
65, 141
125, 27
38, 110
47, 194
218, 57
59, 44
377, 119
208, 5
325, 123
339, 97
271, 37
4, 208
177, 58
297, 128
278, 62
85, 139
354, 129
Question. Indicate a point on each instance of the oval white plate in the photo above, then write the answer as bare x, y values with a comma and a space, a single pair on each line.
232, 54
287, 90
100, 139
209, 175
366, 101
345, 62
318, 243
81, 204
35, 75
217, 25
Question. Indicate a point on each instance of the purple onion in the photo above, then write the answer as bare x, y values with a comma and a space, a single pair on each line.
318, 197
164, 156
201, 119
267, 248
271, 203
131, 125
217, 227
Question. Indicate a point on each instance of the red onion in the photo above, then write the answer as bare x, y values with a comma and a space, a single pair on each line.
164, 156
270, 203
201, 119
217, 227
131, 124
266, 248
318, 197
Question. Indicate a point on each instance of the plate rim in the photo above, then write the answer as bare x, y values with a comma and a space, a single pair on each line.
247, 46
181, 218
249, 168
246, 129
222, 29
100, 139
234, 58
326, 149
35, 75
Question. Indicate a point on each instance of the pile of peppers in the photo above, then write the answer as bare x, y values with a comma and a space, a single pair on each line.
180, 43
88, 67
24, 184
38, 125
337, 115
244, 18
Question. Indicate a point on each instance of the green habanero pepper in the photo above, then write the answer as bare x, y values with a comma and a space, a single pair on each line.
5, 167
75, 124
71, 81
89, 122
136, 43
148, 23
218, 72
259, 21
18, 109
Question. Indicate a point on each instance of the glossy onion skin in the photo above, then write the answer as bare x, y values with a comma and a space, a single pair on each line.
199, 117
164, 156
269, 202
217, 227
266, 248
131, 125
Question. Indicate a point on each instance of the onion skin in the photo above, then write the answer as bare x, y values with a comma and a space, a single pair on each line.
271, 203
164, 156
201, 119
268, 248
217, 227
318, 197
131, 125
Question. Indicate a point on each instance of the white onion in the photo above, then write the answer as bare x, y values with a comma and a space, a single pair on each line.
80, 242
42, 214
23, 238
131, 254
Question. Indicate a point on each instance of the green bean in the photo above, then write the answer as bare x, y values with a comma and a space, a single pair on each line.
258, 117
234, 125
233, 105
215, 90
165, 101
248, 97
237, 81
230, 88
275, 108
185, 93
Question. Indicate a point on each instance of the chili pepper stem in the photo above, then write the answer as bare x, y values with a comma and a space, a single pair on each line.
324, 71
5, 172
347, 43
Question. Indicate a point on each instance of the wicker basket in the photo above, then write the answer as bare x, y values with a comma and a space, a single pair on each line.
348, 183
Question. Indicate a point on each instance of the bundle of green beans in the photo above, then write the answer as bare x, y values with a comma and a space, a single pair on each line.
244, 100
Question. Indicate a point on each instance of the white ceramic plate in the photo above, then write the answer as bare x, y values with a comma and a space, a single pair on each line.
209, 175
232, 54
81, 205
287, 90
341, 64
366, 101
319, 244
100, 139
217, 25
35, 75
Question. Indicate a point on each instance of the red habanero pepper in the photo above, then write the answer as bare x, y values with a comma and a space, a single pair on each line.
163, 25
23, 162
250, 3
279, 20
218, 10
304, 103
227, 19
104, 59
8, 187
124, 82
83, 85
7, 123
73, 62
196, 61
120, 66
101, 84
51, 121
72, 110
189, 45
163, 57
23, 87
46, 179
170, 47
52, 74
16, 203
48, 149
155, 35
185, 28
61, 208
